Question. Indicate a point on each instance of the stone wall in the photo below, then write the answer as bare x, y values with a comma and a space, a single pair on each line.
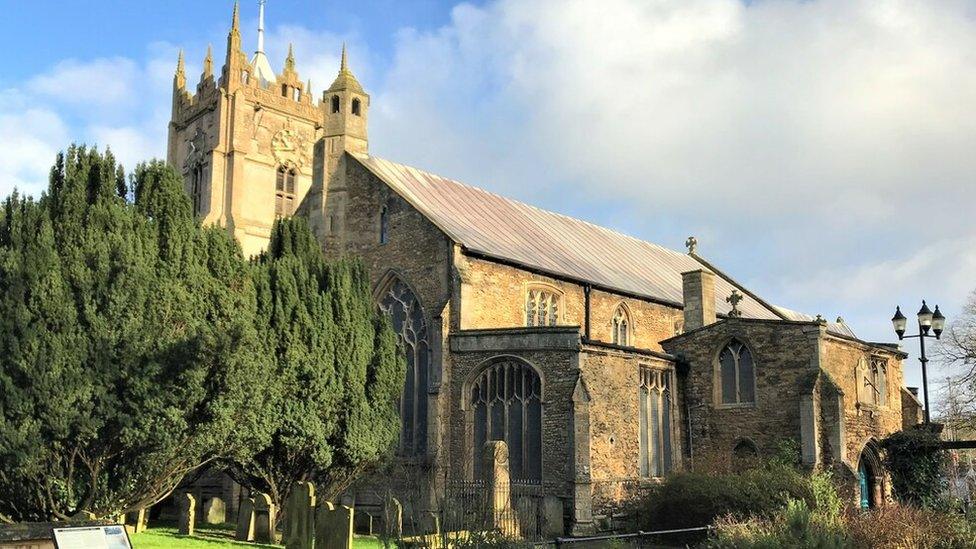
493, 296
785, 357
863, 422
612, 379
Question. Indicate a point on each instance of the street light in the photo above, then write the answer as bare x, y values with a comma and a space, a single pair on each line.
927, 320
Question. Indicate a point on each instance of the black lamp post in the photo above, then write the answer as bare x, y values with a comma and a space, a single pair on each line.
927, 320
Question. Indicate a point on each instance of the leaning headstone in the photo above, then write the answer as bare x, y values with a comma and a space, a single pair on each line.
333, 527
264, 519
498, 484
552, 517
431, 523
392, 519
139, 520
300, 517
188, 509
214, 511
245, 521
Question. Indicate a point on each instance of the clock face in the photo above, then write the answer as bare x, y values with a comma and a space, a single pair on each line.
288, 147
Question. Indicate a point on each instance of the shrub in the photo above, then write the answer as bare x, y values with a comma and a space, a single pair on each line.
917, 462
691, 499
795, 526
906, 526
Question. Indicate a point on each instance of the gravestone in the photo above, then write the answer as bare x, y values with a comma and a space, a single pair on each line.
362, 523
264, 519
498, 484
553, 525
214, 511
188, 510
333, 527
139, 521
245, 521
392, 518
300, 517
431, 523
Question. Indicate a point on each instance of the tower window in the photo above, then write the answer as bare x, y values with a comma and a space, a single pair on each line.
384, 225
296, 94
355, 106
285, 192
335, 103
284, 90
196, 189
245, 76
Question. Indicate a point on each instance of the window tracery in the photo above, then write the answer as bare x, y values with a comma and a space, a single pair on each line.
285, 191
621, 326
736, 374
541, 307
655, 422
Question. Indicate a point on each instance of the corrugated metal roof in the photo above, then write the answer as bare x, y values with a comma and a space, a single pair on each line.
503, 228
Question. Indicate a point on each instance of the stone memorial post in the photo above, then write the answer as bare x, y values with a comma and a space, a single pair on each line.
333, 527
245, 521
498, 484
300, 517
264, 519
188, 512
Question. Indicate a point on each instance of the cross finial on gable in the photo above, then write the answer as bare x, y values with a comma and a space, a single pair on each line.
734, 300
691, 244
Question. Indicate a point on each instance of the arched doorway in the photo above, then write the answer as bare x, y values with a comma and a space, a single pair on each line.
870, 478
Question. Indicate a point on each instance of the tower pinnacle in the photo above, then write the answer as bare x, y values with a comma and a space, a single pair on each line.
343, 65
235, 22
290, 60
345, 80
208, 63
260, 26
179, 79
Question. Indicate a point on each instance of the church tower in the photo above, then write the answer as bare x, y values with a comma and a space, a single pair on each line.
244, 141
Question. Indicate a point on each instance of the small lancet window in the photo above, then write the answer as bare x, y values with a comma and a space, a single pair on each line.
541, 307
737, 374
245, 77
335, 103
284, 90
296, 94
384, 225
356, 106
621, 327
285, 191
196, 189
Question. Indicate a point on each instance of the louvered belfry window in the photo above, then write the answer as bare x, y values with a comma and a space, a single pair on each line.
506, 400
408, 322
541, 307
285, 192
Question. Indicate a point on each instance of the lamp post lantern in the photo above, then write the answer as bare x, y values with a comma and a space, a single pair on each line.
928, 320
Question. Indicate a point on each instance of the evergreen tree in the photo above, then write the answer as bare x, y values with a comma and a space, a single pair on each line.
337, 370
128, 349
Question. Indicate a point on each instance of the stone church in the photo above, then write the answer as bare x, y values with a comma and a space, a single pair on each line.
603, 361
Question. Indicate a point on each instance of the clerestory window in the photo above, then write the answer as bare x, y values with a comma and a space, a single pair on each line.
620, 326
541, 307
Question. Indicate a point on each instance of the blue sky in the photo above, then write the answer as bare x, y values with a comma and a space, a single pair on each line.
820, 150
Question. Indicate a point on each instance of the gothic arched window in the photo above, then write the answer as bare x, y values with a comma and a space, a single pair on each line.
736, 374
356, 106
655, 422
506, 402
335, 103
872, 381
621, 326
541, 307
285, 191
196, 189
411, 327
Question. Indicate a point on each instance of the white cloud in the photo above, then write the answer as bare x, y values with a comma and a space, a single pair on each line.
101, 82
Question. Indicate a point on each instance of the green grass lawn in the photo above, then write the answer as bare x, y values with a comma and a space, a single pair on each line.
212, 538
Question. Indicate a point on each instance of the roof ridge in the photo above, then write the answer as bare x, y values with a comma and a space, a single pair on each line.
526, 204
